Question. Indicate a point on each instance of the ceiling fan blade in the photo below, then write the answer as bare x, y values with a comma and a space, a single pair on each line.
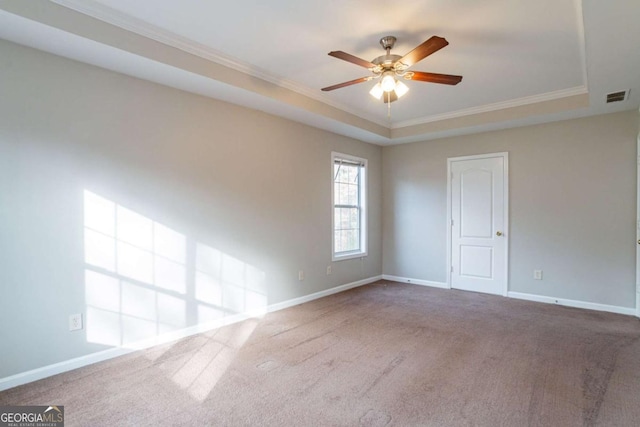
350, 58
432, 45
446, 79
349, 83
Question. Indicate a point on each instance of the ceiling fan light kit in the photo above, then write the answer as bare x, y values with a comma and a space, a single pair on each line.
388, 68
376, 91
400, 88
388, 82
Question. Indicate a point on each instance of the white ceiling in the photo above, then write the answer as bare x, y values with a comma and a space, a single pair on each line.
522, 62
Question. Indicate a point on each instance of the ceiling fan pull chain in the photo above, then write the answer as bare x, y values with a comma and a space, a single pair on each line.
389, 105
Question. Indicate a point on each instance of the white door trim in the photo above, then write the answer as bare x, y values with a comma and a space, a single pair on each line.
638, 234
505, 157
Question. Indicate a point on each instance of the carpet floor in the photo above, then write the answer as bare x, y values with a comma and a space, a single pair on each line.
383, 354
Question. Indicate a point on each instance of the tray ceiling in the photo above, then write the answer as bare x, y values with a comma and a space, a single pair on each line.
522, 62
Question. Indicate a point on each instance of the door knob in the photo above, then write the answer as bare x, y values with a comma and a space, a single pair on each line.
499, 233
639, 241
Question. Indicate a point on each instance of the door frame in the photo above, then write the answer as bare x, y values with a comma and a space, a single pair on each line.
505, 157
638, 233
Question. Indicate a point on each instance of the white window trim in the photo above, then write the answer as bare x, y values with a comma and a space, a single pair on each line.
363, 252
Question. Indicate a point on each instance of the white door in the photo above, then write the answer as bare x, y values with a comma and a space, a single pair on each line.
478, 223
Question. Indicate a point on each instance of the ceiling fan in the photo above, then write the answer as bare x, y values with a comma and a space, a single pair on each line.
390, 67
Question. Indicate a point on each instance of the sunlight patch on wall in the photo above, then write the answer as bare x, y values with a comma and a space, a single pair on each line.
144, 279
226, 282
135, 275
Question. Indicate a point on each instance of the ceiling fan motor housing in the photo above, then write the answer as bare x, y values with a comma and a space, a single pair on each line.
386, 61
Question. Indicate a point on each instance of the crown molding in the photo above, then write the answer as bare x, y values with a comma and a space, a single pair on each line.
512, 103
96, 10
142, 28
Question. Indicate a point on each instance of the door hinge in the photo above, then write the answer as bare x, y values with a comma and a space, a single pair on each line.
452, 268
452, 223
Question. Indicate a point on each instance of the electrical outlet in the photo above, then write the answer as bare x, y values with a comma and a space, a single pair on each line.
537, 274
300, 275
75, 322
328, 269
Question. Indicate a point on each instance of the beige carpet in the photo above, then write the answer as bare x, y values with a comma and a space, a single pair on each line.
383, 354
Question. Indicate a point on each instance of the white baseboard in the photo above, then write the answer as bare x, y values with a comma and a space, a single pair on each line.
573, 303
415, 281
311, 297
533, 297
78, 362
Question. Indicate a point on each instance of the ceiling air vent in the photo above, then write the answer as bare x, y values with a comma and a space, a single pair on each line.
617, 96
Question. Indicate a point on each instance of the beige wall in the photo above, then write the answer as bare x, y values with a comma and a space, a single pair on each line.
251, 188
254, 190
572, 206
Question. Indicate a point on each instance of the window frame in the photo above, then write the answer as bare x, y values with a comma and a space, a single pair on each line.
362, 192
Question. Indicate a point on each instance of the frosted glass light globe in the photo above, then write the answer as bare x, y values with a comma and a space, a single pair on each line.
388, 83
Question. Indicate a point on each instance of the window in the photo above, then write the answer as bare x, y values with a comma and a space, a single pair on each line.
349, 206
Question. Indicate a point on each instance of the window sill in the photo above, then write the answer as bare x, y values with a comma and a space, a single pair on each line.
347, 256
